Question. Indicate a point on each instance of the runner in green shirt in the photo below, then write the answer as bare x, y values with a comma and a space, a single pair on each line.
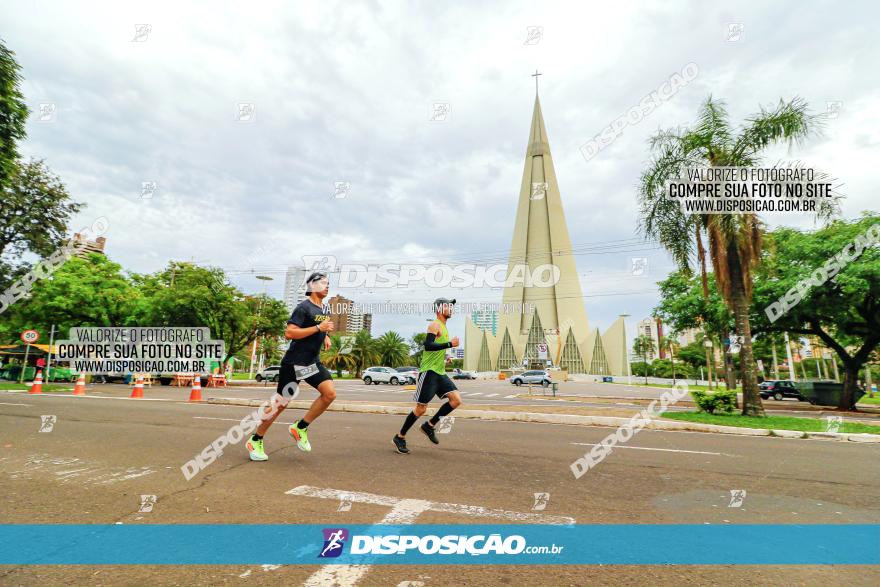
432, 377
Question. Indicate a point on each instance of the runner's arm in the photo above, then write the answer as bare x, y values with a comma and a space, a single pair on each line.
294, 332
431, 343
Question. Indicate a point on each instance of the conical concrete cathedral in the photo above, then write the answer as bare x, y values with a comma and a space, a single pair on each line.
541, 248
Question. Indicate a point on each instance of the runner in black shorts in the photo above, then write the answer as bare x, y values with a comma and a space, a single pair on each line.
433, 379
307, 330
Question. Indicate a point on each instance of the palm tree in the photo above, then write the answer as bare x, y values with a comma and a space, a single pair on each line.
392, 349
337, 357
734, 239
364, 352
417, 346
642, 345
670, 345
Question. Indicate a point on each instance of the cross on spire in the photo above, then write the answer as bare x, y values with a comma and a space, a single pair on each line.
535, 75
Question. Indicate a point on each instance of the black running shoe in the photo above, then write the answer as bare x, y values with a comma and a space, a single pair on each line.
400, 444
429, 432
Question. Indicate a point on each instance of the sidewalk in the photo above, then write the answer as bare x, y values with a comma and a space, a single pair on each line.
571, 415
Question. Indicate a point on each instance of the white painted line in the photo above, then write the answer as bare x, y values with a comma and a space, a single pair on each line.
403, 511
473, 394
492, 395
454, 508
11, 404
696, 452
510, 396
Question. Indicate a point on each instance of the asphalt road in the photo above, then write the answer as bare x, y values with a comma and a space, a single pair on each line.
103, 454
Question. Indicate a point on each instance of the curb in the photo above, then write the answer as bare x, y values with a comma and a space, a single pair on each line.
572, 420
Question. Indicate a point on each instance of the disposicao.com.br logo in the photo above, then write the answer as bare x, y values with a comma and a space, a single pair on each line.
334, 540
480, 544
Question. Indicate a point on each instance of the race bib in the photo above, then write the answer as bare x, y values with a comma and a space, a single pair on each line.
305, 371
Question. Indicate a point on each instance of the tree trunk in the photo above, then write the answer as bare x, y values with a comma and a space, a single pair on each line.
850, 385
704, 281
752, 405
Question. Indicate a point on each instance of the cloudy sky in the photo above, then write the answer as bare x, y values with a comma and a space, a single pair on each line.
345, 93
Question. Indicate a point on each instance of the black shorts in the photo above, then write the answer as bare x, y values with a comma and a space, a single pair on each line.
431, 383
287, 375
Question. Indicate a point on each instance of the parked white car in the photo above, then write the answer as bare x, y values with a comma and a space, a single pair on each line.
377, 375
269, 373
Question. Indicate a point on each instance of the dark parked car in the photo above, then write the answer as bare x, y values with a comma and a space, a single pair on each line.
779, 390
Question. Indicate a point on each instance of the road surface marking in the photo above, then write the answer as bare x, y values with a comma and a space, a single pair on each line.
492, 395
11, 404
696, 452
474, 393
65, 469
403, 511
510, 396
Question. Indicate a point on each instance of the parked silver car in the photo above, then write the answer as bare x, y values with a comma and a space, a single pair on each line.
541, 378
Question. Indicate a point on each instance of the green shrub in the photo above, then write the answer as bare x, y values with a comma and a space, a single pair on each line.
711, 403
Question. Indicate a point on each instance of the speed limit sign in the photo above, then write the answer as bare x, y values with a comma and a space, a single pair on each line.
30, 336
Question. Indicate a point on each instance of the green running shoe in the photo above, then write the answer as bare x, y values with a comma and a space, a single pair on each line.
255, 449
301, 437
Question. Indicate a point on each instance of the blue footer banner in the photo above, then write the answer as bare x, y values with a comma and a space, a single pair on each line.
424, 544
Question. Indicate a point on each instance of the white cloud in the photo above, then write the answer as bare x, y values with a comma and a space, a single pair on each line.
343, 92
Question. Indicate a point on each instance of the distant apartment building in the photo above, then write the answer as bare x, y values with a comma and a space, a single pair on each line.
653, 329
358, 322
486, 320
294, 286
345, 318
86, 246
689, 336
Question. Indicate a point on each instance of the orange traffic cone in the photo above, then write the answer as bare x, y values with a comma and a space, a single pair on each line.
138, 390
196, 394
37, 385
80, 387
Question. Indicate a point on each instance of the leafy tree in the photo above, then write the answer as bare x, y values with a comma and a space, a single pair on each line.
692, 356
640, 368
186, 295
33, 218
666, 369
268, 347
684, 304
89, 291
13, 113
734, 239
844, 312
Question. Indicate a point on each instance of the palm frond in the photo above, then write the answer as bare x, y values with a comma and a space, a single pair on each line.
789, 122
